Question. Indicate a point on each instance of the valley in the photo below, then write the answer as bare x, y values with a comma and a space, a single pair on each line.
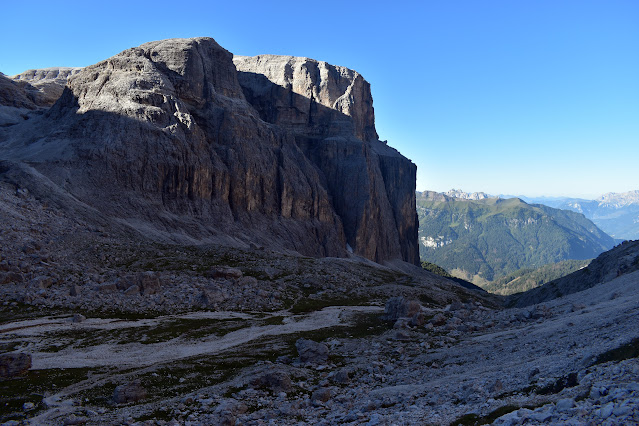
617, 214
486, 238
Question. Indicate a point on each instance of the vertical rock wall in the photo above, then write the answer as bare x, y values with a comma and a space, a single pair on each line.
282, 152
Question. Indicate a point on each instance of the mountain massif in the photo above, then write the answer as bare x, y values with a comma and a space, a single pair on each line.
182, 142
617, 214
484, 239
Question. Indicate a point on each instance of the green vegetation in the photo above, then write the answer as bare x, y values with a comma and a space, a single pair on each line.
483, 240
308, 304
529, 278
32, 387
436, 269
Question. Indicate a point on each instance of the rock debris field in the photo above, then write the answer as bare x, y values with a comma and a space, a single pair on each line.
118, 330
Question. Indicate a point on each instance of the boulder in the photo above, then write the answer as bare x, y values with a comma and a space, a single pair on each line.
14, 364
43, 281
130, 392
78, 318
149, 283
311, 351
277, 381
400, 307
321, 395
225, 272
75, 290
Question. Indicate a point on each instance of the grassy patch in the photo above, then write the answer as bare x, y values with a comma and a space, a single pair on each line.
17, 311
362, 325
32, 387
191, 329
310, 304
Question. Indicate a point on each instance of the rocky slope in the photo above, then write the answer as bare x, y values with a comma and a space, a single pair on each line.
123, 331
14, 102
621, 260
171, 139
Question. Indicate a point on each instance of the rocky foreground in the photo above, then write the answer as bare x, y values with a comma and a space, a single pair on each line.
116, 329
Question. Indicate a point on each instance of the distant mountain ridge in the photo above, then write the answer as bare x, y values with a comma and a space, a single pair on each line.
458, 193
617, 214
481, 240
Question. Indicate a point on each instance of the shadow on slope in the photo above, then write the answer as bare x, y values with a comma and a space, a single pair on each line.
609, 265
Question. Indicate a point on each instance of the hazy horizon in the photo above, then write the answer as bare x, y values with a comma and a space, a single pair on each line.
585, 196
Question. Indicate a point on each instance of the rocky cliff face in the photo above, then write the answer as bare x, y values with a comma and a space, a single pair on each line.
329, 110
308, 96
45, 86
162, 136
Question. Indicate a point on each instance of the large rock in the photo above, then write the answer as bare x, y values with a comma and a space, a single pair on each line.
12, 365
129, 392
329, 109
400, 307
311, 351
308, 96
277, 381
162, 137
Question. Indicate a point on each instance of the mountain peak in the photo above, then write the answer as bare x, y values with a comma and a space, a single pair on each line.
458, 193
621, 199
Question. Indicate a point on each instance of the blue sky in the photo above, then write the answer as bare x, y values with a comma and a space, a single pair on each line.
532, 97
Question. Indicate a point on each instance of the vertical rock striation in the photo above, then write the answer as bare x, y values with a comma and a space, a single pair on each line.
329, 109
175, 141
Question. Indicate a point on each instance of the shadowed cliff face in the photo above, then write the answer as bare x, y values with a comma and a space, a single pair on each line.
329, 109
162, 137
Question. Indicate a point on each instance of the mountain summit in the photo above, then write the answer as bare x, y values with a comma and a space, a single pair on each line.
175, 141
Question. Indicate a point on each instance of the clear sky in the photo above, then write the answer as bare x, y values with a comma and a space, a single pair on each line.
531, 97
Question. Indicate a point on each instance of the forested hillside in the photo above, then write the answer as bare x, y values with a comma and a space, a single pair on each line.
482, 240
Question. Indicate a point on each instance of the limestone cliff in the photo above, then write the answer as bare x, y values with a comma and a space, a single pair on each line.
162, 137
44, 86
329, 109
